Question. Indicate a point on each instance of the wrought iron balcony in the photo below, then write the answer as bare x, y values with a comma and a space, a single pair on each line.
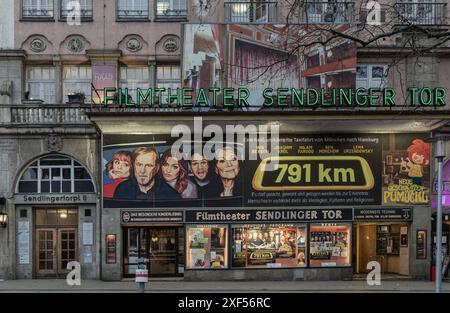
125, 14
32, 115
250, 12
324, 13
29, 11
178, 13
84, 13
421, 13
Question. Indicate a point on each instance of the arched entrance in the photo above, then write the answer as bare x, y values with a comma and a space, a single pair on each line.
55, 222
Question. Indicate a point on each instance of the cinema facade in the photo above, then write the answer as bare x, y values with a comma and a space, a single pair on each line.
98, 185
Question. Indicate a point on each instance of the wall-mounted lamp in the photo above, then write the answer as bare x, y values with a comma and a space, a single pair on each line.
3, 214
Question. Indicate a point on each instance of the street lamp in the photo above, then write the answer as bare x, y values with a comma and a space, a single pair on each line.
3, 215
439, 154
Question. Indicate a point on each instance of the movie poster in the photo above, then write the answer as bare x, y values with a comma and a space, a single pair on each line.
406, 169
318, 170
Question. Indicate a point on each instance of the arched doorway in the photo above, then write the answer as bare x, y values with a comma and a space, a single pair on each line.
52, 230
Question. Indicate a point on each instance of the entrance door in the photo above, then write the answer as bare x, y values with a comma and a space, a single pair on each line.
46, 252
161, 246
163, 251
56, 241
67, 248
55, 248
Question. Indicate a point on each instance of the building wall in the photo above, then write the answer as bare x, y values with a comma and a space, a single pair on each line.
17, 151
7, 24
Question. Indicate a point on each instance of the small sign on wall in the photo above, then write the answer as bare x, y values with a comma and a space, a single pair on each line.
111, 249
88, 234
404, 236
23, 242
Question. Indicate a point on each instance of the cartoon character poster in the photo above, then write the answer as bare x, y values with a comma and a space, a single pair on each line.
406, 169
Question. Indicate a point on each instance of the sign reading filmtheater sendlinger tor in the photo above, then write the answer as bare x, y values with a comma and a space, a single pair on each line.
280, 97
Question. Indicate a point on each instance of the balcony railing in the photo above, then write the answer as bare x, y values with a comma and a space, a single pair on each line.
250, 12
34, 115
132, 14
169, 13
37, 12
84, 13
423, 13
324, 13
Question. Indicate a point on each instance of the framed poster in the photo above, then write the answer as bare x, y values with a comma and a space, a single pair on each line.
111, 249
421, 244
404, 236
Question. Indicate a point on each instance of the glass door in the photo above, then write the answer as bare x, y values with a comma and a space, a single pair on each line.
67, 248
163, 251
46, 252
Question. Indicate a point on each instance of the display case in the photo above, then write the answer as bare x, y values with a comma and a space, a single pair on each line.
388, 239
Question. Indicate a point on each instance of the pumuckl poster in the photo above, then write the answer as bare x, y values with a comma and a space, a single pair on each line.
406, 169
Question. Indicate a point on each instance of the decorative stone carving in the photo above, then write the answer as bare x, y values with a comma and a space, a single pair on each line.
170, 45
54, 143
75, 45
134, 44
37, 45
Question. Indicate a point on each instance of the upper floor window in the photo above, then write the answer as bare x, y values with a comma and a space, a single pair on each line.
171, 8
168, 76
41, 83
84, 10
420, 12
328, 11
77, 84
132, 9
133, 78
40, 9
55, 174
250, 11
371, 75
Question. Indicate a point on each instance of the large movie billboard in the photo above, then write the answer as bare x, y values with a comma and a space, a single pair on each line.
310, 170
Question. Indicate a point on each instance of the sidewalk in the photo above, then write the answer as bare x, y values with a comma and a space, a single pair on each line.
180, 286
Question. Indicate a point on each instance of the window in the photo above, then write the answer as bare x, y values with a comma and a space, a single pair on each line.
329, 11
329, 245
168, 76
77, 83
263, 246
252, 11
41, 83
134, 77
371, 75
423, 12
171, 8
55, 174
37, 9
132, 9
85, 8
206, 247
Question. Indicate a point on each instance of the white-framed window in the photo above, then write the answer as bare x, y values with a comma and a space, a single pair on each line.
132, 9
37, 9
371, 75
41, 83
85, 8
77, 80
132, 77
171, 8
168, 76
55, 174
